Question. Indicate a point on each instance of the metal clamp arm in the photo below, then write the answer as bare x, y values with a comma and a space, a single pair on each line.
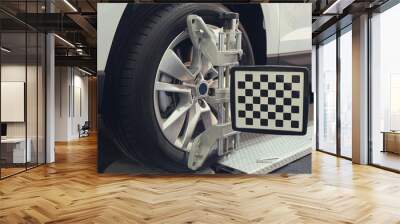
204, 39
202, 144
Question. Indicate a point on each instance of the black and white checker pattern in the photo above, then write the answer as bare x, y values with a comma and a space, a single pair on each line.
269, 100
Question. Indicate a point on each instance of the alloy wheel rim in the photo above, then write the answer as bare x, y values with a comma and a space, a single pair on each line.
181, 90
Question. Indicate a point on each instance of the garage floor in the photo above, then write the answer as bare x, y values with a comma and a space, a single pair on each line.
71, 191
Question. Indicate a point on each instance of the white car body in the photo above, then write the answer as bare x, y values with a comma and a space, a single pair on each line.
286, 35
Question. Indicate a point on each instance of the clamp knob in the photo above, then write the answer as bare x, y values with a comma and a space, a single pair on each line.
227, 18
228, 15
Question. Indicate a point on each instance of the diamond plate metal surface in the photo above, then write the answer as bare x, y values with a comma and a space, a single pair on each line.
262, 154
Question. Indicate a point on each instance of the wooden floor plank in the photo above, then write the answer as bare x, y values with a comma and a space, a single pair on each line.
71, 191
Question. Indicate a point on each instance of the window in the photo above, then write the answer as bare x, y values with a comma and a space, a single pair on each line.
346, 93
385, 89
334, 95
326, 98
22, 78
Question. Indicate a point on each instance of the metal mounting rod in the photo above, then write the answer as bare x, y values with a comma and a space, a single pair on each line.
221, 84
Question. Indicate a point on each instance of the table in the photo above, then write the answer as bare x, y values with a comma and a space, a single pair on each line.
391, 141
13, 150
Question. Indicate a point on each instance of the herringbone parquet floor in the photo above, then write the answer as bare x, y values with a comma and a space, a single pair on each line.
70, 191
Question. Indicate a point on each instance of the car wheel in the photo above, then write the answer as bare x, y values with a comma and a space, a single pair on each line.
161, 105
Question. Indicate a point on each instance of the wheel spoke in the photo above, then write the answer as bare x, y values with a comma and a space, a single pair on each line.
172, 65
208, 118
168, 87
171, 132
193, 120
174, 118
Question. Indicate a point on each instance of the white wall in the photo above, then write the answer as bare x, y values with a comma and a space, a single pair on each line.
62, 82
79, 117
70, 83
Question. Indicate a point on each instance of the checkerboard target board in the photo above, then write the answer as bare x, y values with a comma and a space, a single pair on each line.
270, 99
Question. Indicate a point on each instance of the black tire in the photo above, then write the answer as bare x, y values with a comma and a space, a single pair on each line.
150, 33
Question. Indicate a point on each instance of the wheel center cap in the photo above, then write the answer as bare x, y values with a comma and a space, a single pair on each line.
202, 89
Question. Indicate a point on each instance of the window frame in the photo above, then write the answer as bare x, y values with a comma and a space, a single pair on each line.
334, 37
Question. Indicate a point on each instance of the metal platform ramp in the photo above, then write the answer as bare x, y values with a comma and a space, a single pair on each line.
262, 154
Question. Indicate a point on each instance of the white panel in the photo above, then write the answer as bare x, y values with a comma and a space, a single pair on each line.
12, 101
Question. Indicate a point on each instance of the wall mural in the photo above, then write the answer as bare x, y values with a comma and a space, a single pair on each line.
204, 88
